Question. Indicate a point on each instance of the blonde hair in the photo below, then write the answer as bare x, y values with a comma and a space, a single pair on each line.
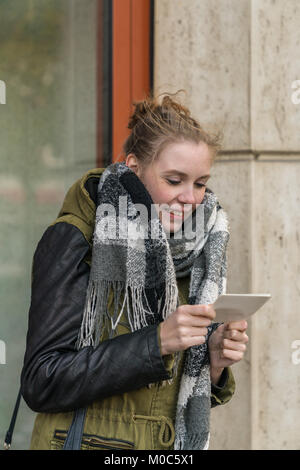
154, 125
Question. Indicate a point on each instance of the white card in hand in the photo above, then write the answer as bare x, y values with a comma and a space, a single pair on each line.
235, 307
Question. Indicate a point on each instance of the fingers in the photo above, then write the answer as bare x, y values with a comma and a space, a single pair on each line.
194, 341
241, 325
236, 331
232, 350
195, 331
198, 317
234, 345
228, 343
233, 356
206, 311
236, 335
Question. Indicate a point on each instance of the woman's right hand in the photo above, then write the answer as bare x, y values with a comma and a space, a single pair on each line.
185, 327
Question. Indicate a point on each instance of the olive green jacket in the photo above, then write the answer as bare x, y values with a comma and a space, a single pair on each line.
138, 419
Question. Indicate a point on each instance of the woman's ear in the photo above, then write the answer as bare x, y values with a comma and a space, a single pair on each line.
133, 163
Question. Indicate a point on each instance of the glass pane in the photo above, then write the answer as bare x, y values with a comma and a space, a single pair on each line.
48, 135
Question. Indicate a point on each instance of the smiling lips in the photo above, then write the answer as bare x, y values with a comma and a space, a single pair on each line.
177, 214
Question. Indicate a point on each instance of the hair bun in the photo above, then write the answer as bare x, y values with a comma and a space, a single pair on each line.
141, 110
151, 105
168, 103
155, 121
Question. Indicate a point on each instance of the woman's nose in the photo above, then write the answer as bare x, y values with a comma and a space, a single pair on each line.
187, 196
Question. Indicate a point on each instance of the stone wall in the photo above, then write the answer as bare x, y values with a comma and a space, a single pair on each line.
237, 60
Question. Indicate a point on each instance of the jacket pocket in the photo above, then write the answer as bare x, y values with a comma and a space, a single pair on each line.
91, 442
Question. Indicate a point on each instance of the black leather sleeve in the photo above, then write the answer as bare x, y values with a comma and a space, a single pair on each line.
55, 376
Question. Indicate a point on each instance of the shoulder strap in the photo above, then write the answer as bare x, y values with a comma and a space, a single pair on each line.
9, 434
74, 436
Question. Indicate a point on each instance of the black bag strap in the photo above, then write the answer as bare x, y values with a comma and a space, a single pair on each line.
9, 434
74, 436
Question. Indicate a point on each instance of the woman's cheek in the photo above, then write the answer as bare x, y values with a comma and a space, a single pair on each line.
201, 196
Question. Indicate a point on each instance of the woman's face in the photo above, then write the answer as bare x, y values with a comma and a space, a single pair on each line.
176, 180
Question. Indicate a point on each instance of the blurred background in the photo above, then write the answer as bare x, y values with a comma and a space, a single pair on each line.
69, 71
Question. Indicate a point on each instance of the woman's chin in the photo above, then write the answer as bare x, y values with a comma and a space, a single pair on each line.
172, 227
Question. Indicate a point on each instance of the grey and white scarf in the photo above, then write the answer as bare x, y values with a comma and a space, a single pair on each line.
132, 254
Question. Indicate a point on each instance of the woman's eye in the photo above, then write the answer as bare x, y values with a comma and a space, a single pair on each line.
198, 185
173, 181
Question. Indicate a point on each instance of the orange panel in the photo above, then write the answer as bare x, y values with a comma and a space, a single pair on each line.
121, 74
140, 48
131, 63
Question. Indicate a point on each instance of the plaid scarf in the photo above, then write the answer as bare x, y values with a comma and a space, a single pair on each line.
133, 255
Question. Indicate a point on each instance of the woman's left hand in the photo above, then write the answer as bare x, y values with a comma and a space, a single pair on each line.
227, 344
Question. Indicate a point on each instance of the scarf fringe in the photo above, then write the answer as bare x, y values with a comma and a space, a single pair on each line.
96, 301
195, 442
96, 316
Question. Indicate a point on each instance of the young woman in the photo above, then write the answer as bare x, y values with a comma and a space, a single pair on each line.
121, 336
